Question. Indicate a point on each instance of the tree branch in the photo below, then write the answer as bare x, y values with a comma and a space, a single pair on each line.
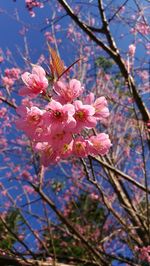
122, 174
115, 56
8, 260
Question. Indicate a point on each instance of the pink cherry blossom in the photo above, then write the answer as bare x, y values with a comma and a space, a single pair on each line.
58, 138
7, 82
3, 112
132, 49
84, 115
99, 144
148, 126
29, 119
66, 93
12, 73
60, 116
36, 82
48, 155
28, 189
49, 37
53, 129
144, 253
143, 28
80, 147
30, 4
66, 150
1, 58
100, 105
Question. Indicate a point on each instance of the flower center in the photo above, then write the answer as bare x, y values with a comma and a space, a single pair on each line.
57, 114
79, 115
34, 118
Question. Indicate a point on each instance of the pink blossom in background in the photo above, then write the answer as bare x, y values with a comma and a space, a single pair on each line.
27, 176
28, 189
148, 48
132, 49
30, 4
12, 73
143, 74
1, 58
8, 52
7, 82
49, 37
141, 27
3, 112
143, 253
10, 76
148, 126
94, 196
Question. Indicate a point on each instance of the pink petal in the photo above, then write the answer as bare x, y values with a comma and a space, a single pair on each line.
39, 71
75, 86
25, 78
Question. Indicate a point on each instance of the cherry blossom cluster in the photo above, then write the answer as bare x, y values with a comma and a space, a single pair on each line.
144, 253
64, 127
30, 4
141, 27
10, 76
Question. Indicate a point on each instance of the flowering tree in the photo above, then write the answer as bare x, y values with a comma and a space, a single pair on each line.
75, 139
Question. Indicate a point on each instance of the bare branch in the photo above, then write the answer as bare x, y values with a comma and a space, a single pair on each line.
115, 56
122, 174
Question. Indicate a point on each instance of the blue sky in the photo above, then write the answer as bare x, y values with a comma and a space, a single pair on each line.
14, 16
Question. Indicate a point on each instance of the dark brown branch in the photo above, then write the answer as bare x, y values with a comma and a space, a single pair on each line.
85, 28
117, 11
122, 174
99, 30
8, 260
109, 207
4, 100
106, 26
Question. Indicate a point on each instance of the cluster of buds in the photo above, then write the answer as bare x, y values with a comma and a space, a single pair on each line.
64, 127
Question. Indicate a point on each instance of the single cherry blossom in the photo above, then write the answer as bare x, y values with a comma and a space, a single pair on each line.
100, 105
29, 119
84, 115
80, 147
99, 144
60, 116
36, 82
48, 155
66, 93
